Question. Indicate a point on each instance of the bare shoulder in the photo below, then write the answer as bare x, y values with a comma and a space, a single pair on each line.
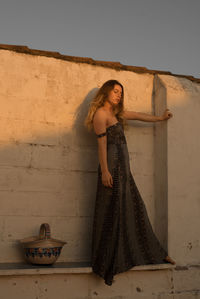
101, 111
100, 115
100, 120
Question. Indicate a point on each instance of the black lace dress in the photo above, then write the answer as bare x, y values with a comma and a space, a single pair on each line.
122, 233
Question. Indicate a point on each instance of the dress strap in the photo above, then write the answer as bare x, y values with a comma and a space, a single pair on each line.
101, 135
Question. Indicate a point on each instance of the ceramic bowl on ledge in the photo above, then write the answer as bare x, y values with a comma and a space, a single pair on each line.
42, 249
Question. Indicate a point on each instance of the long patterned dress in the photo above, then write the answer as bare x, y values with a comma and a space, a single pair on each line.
122, 233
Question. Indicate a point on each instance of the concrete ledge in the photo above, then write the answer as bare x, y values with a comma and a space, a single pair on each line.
62, 268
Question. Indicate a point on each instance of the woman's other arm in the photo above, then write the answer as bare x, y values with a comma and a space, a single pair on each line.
99, 123
147, 117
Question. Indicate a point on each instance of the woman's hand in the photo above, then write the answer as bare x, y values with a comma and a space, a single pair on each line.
166, 115
107, 179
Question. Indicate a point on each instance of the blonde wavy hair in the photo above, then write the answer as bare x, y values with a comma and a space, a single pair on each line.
99, 100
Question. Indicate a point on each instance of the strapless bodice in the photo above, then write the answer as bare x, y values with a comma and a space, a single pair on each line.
115, 134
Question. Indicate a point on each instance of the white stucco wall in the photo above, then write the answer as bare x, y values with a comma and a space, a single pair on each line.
49, 162
183, 149
48, 159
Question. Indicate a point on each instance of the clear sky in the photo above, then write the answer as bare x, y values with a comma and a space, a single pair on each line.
157, 34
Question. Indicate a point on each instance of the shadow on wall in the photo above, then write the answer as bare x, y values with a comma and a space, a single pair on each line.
49, 174
82, 110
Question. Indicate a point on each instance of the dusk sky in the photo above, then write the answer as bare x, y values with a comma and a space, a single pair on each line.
156, 34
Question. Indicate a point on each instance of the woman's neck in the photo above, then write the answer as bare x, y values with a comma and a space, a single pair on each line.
108, 107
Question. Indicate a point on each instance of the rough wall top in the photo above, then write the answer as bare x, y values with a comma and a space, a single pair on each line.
108, 64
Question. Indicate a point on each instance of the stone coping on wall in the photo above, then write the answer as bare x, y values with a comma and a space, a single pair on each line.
7, 269
107, 64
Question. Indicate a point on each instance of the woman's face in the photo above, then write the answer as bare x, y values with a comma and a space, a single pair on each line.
115, 95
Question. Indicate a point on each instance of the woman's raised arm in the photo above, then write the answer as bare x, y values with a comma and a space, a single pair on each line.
147, 117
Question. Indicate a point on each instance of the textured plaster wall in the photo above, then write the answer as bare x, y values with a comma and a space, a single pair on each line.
183, 169
48, 159
161, 284
49, 169
177, 148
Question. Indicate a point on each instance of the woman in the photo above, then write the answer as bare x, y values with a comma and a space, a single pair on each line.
122, 233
